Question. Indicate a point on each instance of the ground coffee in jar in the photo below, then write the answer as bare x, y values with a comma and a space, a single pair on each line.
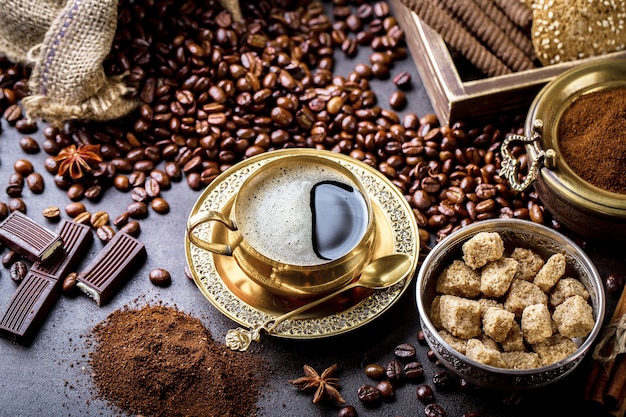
158, 361
592, 138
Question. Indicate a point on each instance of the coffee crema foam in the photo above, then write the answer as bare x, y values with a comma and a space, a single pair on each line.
275, 214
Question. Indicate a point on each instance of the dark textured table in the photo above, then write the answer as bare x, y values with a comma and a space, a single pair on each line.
51, 376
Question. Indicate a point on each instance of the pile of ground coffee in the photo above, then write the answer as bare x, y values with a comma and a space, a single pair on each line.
159, 361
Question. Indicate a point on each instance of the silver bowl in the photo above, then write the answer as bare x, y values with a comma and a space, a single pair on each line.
514, 232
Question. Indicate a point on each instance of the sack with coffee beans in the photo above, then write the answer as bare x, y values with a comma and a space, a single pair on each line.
65, 43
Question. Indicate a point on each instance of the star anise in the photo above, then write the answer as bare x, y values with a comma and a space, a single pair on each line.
77, 161
326, 386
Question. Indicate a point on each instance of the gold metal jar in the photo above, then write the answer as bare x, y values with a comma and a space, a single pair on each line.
589, 211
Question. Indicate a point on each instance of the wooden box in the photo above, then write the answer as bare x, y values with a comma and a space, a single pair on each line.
452, 98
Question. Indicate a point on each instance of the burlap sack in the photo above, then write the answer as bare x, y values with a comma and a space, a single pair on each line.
65, 42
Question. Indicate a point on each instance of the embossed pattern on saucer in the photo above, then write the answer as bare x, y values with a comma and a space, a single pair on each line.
235, 295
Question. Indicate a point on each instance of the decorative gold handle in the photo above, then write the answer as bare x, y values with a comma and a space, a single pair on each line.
510, 165
209, 216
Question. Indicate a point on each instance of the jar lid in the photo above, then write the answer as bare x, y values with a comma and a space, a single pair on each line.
543, 121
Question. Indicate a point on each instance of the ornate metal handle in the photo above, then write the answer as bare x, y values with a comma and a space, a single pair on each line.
211, 215
510, 165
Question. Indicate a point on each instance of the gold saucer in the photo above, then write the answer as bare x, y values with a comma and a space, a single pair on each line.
234, 294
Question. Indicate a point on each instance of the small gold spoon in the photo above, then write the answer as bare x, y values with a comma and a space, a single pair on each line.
379, 274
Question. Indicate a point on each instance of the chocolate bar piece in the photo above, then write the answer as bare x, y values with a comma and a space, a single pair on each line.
40, 289
76, 239
106, 273
28, 238
29, 306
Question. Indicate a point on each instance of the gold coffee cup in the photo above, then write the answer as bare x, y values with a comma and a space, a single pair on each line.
300, 226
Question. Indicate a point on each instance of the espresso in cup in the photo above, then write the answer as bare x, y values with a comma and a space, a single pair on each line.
302, 214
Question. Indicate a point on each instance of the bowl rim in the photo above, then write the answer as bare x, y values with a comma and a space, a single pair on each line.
485, 225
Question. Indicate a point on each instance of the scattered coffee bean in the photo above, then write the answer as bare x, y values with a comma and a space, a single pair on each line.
18, 271
121, 220
403, 80
414, 371
445, 381
425, 393
614, 284
397, 100
17, 204
83, 218
132, 228
430, 354
75, 208
404, 351
69, 282
347, 411
105, 233
4, 210
52, 213
434, 410
394, 370
375, 371
29, 145
369, 395
99, 219
35, 183
23, 167
137, 210
160, 205
386, 390
160, 277
9, 258
421, 338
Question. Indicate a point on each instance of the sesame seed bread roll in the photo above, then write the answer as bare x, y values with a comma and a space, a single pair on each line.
566, 30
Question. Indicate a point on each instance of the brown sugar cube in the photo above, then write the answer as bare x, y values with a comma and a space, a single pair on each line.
521, 360
476, 350
497, 322
565, 288
496, 277
529, 263
459, 279
489, 342
460, 316
536, 323
486, 303
554, 349
522, 294
514, 340
550, 272
435, 316
574, 317
483, 247
456, 343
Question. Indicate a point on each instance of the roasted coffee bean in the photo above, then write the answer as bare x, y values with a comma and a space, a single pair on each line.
105, 233
69, 282
35, 183
121, 220
152, 187
394, 370
386, 390
434, 410
132, 228
4, 210
52, 213
17, 204
75, 208
13, 113
18, 271
347, 411
160, 277
9, 258
369, 395
137, 210
83, 218
93, 193
23, 167
430, 354
404, 351
375, 371
403, 80
614, 284
445, 381
139, 194
414, 371
76, 192
121, 182
99, 219
29, 145
14, 190
397, 100
421, 337
425, 393
160, 205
